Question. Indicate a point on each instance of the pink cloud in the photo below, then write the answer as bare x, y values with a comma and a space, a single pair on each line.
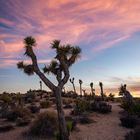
105, 22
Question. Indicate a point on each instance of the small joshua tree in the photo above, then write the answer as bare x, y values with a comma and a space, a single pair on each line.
80, 82
72, 81
66, 55
101, 87
126, 95
40, 85
92, 90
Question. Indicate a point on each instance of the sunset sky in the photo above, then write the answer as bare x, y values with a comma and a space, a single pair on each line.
107, 31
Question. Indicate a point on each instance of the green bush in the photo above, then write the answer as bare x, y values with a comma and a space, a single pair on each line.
133, 110
44, 125
100, 106
18, 112
6, 98
80, 107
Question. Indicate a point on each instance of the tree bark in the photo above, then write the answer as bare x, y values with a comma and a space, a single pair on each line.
102, 93
74, 88
80, 90
61, 117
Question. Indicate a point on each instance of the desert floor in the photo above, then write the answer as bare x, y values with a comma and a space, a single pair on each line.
105, 127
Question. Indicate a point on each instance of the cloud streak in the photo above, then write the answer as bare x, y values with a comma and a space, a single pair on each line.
99, 24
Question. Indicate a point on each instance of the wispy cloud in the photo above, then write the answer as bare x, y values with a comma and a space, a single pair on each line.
98, 23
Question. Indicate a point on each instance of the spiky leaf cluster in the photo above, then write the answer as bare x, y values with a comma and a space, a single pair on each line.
91, 84
53, 67
100, 84
72, 80
66, 53
80, 81
28, 69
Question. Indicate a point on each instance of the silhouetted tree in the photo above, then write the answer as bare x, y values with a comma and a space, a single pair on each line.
66, 55
92, 90
72, 81
40, 85
101, 87
126, 95
80, 82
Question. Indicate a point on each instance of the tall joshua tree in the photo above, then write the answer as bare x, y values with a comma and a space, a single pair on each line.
66, 55
72, 81
92, 90
80, 82
101, 87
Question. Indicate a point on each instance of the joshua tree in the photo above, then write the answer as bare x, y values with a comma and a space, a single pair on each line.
40, 85
80, 82
101, 87
92, 90
72, 81
66, 55
126, 95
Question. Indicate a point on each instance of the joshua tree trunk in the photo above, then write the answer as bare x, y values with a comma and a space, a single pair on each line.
102, 93
80, 90
40, 85
61, 118
74, 88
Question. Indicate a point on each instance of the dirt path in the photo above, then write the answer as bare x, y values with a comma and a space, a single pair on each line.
106, 127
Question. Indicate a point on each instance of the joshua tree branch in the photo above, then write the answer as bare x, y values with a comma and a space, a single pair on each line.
66, 74
37, 70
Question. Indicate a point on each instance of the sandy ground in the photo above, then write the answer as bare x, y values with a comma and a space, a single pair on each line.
105, 127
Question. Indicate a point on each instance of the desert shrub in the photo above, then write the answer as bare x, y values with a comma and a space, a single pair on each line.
44, 125
34, 109
133, 135
6, 98
128, 121
45, 104
6, 127
67, 101
84, 119
80, 107
125, 106
30, 97
22, 121
98, 98
104, 107
71, 121
18, 112
100, 106
133, 109
68, 106
111, 97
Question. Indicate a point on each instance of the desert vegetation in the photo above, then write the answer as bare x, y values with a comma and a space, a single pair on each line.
60, 114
